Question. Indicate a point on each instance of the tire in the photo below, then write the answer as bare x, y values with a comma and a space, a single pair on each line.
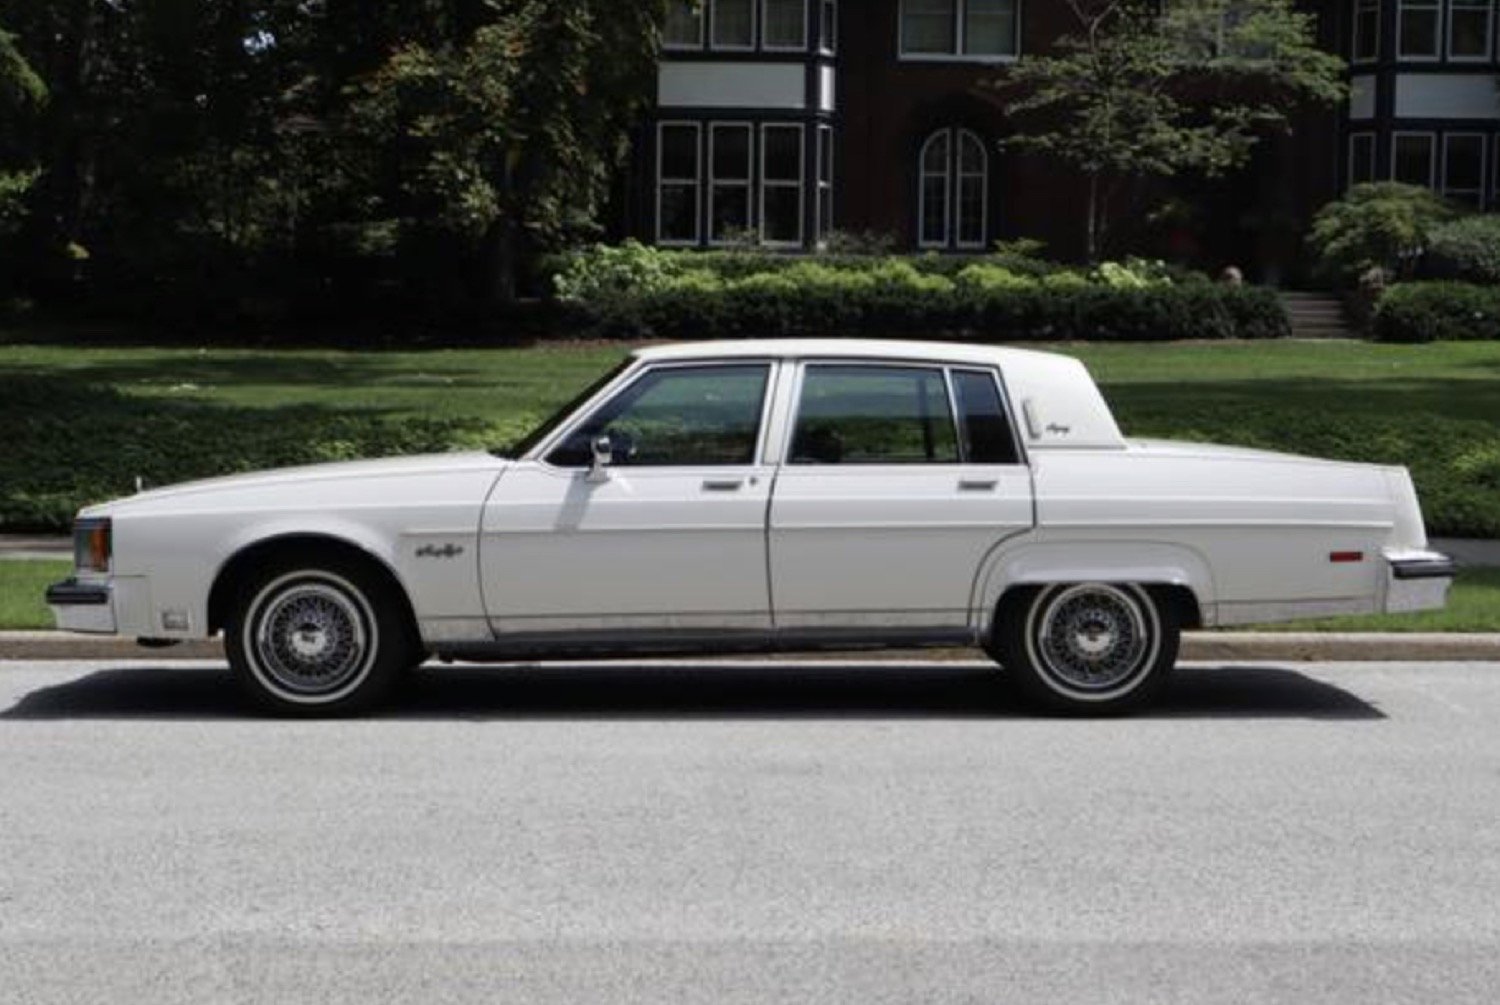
318, 636
1087, 648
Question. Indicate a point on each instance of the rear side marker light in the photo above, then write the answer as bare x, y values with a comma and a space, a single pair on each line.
1346, 556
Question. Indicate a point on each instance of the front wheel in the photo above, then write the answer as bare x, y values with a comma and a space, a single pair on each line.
1087, 648
317, 639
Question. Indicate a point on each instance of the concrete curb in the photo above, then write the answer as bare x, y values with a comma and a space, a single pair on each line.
1299, 647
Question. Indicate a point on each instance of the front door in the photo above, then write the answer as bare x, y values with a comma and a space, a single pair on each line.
671, 541
898, 481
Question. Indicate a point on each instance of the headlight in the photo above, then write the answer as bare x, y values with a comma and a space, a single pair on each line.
91, 545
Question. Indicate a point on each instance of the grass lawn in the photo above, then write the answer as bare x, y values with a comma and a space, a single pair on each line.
81, 422
21, 586
1473, 604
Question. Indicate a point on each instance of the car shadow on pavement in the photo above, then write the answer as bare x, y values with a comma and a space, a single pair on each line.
782, 690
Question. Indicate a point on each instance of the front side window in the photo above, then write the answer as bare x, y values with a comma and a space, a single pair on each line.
781, 184
1366, 46
981, 29
874, 415
676, 417
677, 183
734, 24
785, 24
1417, 28
987, 435
1412, 158
1463, 168
684, 27
1361, 158
1469, 29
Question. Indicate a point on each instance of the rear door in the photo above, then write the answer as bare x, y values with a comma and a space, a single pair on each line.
897, 480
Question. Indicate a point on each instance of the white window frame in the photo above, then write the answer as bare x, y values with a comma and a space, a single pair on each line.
960, 24
1361, 6
716, 46
1489, 32
946, 135
747, 183
765, 20
1437, 7
961, 136
800, 184
1349, 181
689, 46
1432, 159
1483, 166
824, 181
697, 183
828, 43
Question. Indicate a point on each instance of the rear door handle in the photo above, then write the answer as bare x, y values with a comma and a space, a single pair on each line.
978, 484
722, 484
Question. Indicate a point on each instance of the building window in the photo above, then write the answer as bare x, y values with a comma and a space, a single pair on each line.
677, 183
785, 24
1366, 47
729, 181
734, 24
978, 29
1417, 28
1469, 29
781, 184
1361, 158
953, 191
828, 27
825, 181
1412, 158
1463, 168
684, 27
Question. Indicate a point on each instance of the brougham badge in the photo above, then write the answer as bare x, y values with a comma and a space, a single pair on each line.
433, 551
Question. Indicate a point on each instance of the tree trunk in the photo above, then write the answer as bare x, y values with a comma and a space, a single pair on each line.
1091, 250
501, 253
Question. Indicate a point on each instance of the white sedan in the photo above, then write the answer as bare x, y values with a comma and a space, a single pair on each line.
752, 496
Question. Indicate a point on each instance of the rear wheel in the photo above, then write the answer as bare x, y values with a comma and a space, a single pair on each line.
1087, 648
322, 637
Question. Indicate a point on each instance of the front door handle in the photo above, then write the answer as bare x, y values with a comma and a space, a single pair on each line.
722, 484
978, 484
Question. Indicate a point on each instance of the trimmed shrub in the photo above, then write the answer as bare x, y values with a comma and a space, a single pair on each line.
1467, 249
1438, 312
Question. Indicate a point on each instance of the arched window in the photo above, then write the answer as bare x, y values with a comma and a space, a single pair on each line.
953, 191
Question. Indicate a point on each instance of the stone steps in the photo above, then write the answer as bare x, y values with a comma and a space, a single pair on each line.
1316, 315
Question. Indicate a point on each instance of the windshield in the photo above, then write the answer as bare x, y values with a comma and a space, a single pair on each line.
520, 447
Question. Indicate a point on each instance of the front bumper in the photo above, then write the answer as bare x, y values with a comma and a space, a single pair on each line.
82, 607
1417, 581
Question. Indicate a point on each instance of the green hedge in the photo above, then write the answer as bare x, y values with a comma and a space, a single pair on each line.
1467, 249
1438, 312
630, 292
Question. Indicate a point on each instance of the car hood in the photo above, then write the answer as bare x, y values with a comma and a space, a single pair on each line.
379, 468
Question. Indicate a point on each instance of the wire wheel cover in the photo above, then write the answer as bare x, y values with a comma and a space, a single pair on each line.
311, 637
1094, 637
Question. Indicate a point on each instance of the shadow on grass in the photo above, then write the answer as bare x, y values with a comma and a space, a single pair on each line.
791, 690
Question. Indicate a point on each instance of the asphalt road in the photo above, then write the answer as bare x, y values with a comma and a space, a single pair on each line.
762, 832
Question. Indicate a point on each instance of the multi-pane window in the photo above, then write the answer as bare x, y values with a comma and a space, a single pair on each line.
874, 415
1469, 29
1412, 158
684, 27
1361, 158
953, 191
734, 24
785, 24
781, 184
825, 180
1417, 29
677, 183
828, 26
1366, 31
959, 28
729, 181
1463, 168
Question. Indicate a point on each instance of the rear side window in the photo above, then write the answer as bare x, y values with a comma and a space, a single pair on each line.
987, 435
874, 415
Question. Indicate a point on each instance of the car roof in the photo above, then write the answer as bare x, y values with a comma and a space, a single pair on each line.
796, 348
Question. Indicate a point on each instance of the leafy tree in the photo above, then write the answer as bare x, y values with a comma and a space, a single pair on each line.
1144, 89
1384, 225
22, 95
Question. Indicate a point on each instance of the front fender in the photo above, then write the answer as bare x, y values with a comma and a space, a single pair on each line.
1040, 562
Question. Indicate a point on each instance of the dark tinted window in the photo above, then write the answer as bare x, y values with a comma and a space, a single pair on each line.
985, 426
874, 415
677, 416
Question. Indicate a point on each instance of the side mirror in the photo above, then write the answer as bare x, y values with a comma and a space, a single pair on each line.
604, 455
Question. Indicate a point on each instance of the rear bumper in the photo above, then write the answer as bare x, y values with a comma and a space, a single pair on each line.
82, 607
1417, 581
